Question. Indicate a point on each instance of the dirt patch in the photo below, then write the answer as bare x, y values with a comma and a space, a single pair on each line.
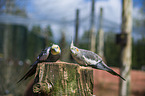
106, 84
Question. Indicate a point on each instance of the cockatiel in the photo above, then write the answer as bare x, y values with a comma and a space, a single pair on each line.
89, 58
50, 54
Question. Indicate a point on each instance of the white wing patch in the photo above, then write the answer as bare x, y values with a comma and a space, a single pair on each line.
90, 61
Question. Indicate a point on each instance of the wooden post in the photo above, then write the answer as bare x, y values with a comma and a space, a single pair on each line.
101, 36
63, 79
126, 51
92, 28
77, 27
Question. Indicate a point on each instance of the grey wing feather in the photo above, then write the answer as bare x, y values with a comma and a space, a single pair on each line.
90, 54
100, 65
44, 54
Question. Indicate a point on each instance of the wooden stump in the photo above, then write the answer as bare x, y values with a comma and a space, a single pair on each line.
63, 79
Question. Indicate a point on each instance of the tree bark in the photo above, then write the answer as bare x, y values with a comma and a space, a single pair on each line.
126, 51
61, 78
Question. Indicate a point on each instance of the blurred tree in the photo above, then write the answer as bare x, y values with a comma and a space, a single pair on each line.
7, 45
138, 55
20, 12
1, 39
77, 27
126, 49
31, 44
111, 53
100, 36
36, 29
8, 68
139, 45
92, 28
35, 43
14, 47
9, 7
64, 51
21, 40
85, 41
12, 7
85, 35
48, 31
48, 35
111, 50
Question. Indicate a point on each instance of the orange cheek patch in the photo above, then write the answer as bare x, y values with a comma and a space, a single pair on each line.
77, 49
58, 48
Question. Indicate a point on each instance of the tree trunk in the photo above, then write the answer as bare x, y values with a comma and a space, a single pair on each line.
101, 43
63, 79
126, 51
101, 36
7, 47
77, 27
92, 28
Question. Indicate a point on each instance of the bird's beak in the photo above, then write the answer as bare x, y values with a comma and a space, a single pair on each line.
56, 50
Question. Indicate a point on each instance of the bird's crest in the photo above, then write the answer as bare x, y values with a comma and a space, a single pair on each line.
72, 44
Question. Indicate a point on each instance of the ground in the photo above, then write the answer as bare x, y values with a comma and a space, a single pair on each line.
106, 84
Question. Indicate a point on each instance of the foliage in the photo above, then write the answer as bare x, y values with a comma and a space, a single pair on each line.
111, 50
84, 43
24, 47
65, 56
47, 34
1, 37
37, 41
13, 7
138, 55
48, 31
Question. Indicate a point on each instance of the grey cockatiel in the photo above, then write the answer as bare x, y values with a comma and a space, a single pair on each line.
50, 54
89, 58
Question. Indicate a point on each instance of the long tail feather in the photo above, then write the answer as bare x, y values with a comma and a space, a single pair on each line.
114, 73
103, 66
31, 71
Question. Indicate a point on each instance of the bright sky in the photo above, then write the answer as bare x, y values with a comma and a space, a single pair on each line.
60, 14
56, 12
65, 9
